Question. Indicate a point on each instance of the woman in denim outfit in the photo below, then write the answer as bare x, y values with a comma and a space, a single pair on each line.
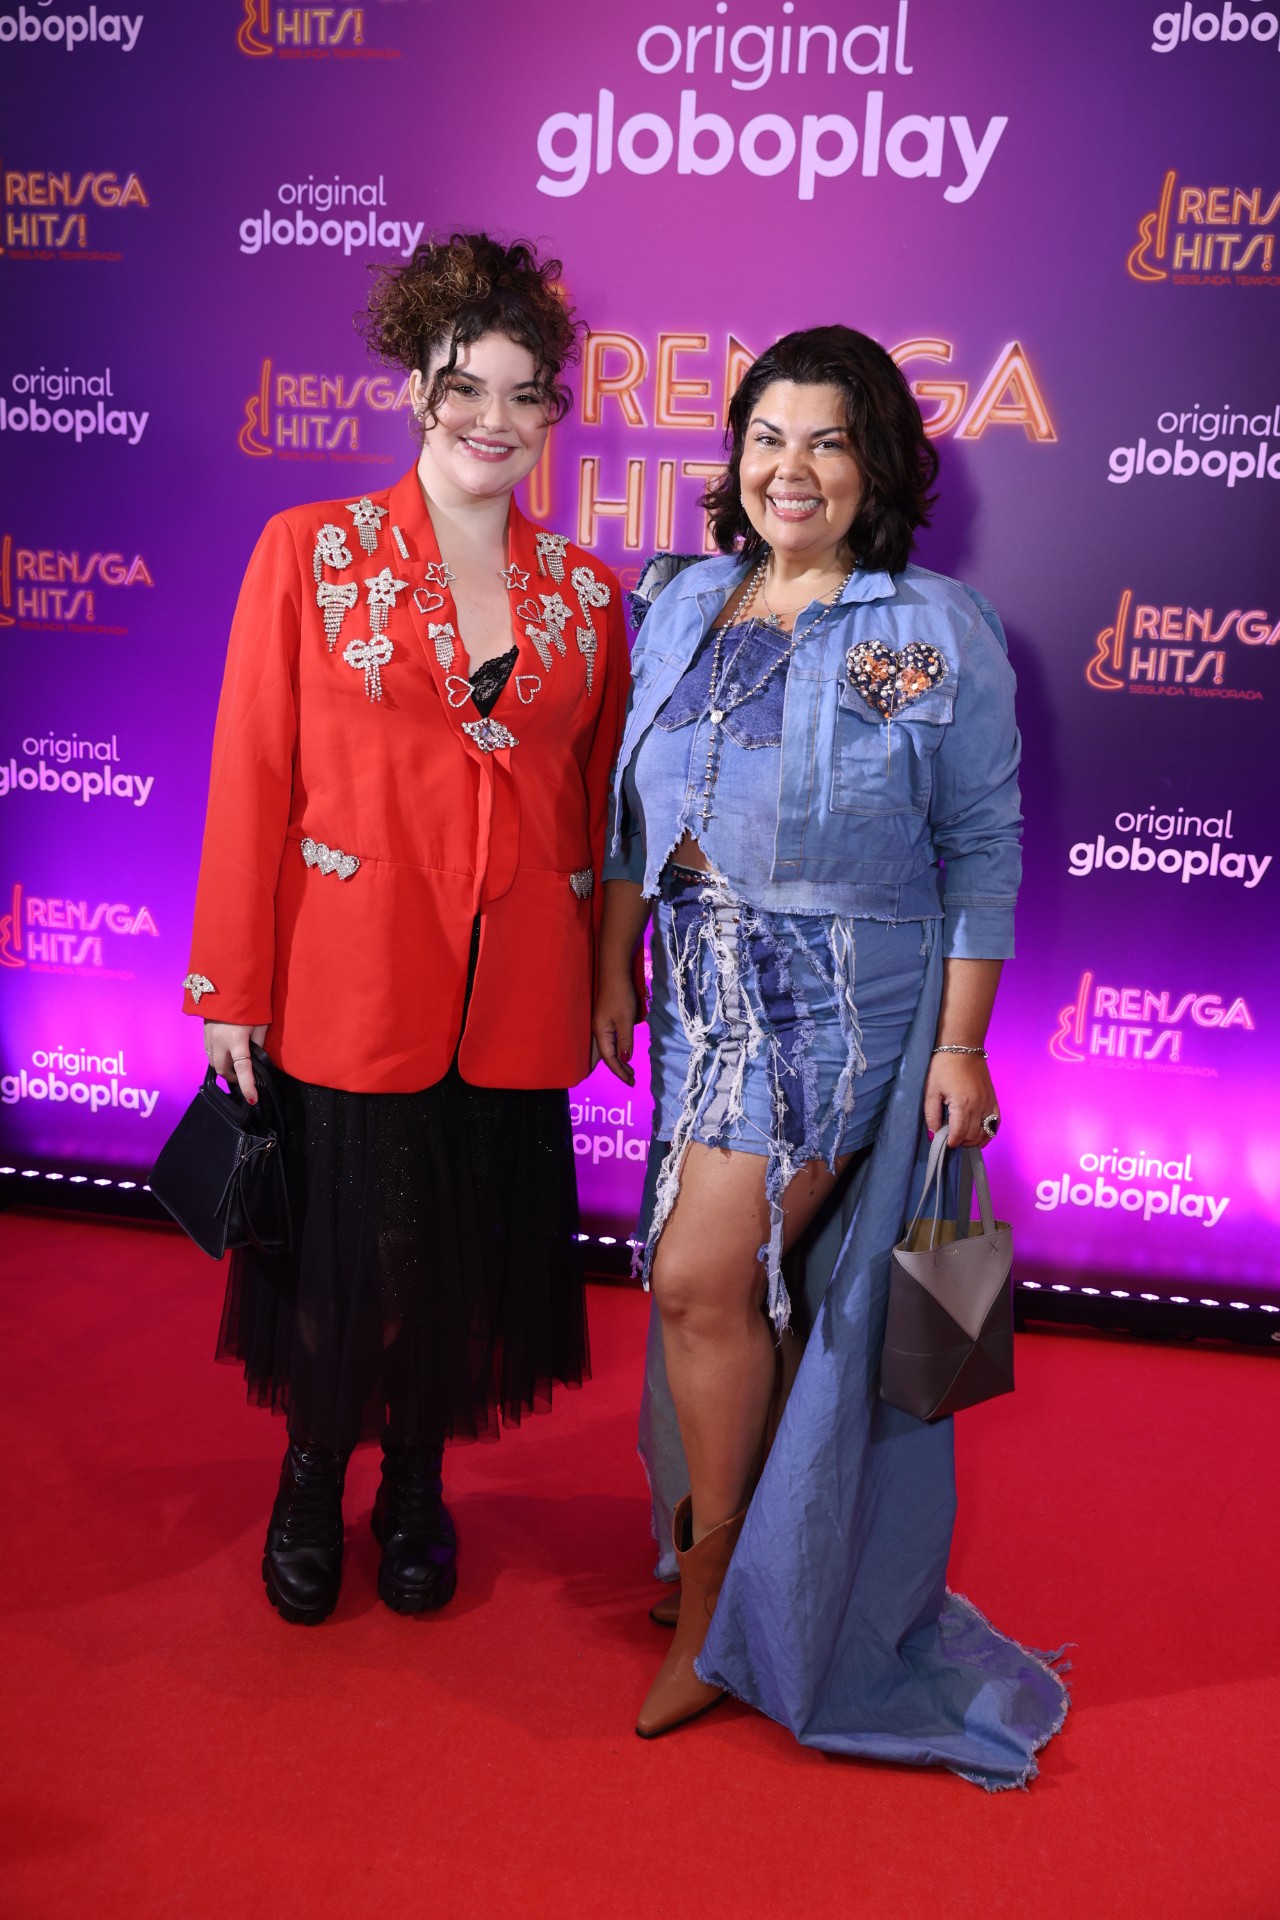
817, 794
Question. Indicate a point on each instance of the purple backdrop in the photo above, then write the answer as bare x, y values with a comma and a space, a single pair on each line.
1062, 221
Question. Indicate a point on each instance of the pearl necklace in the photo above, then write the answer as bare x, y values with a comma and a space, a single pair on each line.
719, 709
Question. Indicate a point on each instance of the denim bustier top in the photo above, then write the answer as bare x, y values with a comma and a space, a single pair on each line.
668, 772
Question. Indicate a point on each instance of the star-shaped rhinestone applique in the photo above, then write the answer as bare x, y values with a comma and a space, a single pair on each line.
551, 551
384, 587
368, 521
515, 579
439, 574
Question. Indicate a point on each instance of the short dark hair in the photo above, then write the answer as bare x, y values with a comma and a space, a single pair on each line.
898, 463
454, 290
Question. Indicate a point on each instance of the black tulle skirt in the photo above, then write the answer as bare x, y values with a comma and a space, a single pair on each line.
435, 1282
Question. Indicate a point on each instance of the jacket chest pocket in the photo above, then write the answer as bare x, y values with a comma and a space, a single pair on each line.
886, 767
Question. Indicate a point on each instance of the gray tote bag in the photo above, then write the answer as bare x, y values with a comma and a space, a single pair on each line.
949, 1333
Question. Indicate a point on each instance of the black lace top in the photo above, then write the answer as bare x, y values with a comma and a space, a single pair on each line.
489, 678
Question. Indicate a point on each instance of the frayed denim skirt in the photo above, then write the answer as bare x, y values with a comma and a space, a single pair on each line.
771, 1033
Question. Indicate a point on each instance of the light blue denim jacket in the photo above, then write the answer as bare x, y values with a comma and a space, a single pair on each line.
862, 819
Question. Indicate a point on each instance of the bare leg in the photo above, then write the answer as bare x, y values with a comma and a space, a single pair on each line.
721, 1356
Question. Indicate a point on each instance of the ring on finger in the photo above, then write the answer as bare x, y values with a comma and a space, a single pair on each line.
991, 1125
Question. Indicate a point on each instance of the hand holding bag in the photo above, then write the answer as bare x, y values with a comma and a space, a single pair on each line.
221, 1171
949, 1334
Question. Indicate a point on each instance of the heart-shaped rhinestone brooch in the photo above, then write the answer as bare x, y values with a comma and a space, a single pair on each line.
890, 682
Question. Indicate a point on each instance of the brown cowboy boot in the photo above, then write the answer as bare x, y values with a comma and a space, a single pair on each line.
665, 1612
677, 1694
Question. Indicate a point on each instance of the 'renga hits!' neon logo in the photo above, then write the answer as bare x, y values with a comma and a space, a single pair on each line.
1153, 648
289, 32
1110, 1023
1208, 236
51, 935
311, 416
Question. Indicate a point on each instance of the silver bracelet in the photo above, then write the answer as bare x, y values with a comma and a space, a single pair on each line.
979, 1052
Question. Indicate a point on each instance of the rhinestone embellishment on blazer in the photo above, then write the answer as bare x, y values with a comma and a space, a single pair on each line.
583, 881
331, 550
442, 638
890, 681
383, 588
555, 618
587, 648
334, 598
550, 549
369, 657
490, 735
368, 521
329, 859
590, 591
197, 984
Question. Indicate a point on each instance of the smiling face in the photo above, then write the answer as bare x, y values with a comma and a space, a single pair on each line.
491, 424
801, 484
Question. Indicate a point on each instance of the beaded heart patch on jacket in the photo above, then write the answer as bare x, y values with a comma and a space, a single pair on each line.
890, 681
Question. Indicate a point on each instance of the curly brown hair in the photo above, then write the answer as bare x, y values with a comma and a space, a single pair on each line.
452, 292
899, 465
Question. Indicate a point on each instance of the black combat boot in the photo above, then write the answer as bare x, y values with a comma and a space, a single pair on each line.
302, 1560
410, 1519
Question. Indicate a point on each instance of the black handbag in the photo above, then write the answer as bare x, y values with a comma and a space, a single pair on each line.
948, 1339
221, 1172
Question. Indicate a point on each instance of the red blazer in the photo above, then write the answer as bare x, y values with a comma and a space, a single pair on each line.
352, 839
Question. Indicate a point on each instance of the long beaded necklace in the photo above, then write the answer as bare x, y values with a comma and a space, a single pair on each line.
719, 708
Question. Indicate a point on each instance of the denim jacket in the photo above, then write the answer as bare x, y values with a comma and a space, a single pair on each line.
917, 819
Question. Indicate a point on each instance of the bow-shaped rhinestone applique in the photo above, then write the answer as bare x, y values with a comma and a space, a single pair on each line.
550, 550
369, 657
368, 521
334, 598
331, 550
329, 859
442, 638
587, 644
890, 682
590, 591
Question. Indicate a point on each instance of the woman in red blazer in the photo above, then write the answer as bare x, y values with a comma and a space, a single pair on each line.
399, 897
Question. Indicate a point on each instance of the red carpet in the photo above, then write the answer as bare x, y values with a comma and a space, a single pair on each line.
171, 1748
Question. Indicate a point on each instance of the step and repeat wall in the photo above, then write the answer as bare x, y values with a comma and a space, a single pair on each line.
1061, 220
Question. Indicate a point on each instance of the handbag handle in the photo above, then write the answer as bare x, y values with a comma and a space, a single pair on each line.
252, 1145
972, 1171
